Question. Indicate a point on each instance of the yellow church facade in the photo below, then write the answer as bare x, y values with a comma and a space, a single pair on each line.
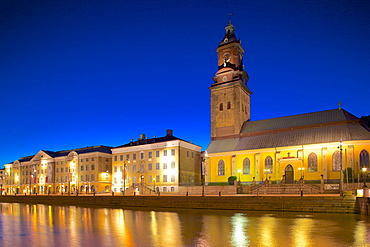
305, 147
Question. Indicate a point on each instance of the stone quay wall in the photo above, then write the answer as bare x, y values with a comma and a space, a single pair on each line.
317, 204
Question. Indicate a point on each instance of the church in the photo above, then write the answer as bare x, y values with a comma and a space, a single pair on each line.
300, 148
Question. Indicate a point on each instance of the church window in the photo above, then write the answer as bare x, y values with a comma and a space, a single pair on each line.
228, 105
221, 107
221, 168
364, 159
246, 166
312, 162
336, 161
268, 164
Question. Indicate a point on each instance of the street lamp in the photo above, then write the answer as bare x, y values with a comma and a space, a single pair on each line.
154, 183
239, 171
364, 169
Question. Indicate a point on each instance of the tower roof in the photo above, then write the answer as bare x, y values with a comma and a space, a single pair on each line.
229, 35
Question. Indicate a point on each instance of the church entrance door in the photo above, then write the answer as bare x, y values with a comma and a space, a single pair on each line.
289, 174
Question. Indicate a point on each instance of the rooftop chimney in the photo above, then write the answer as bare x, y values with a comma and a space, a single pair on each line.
169, 132
142, 137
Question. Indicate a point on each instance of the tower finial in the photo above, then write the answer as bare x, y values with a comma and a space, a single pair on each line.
339, 105
230, 17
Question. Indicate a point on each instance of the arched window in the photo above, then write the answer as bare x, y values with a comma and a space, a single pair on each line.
246, 166
228, 105
364, 159
221, 168
312, 162
268, 164
336, 161
221, 107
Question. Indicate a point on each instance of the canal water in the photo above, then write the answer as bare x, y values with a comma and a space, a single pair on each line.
43, 225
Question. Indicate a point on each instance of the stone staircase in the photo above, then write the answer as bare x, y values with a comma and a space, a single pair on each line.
285, 189
139, 190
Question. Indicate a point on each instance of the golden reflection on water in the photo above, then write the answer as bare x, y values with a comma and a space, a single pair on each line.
42, 225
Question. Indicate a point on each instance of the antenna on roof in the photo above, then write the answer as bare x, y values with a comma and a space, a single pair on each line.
339, 105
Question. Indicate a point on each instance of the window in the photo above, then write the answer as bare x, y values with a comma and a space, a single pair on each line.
157, 178
150, 179
134, 156
364, 159
229, 105
336, 161
57, 171
150, 166
157, 166
127, 167
82, 160
61, 169
156, 153
127, 156
164, 189
172, 178
221, 168
87, 167
192, 155
142, 155
121, 157
187, 153
164, 165
141, 167
164, 178
164, 152
87, 177
221, 107
173, 166
92, 177
82, 168
82, 178
134, 168
115, 180
87, 159
115, 169
246, 166
92, 159
268, 164
312, 162
150, 154
173, 152
115, 157
92, 167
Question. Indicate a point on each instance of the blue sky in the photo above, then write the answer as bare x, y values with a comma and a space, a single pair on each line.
83, 73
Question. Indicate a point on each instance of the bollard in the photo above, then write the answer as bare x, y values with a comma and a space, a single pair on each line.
94, 193
301, 192
219, 193
24, 193
112, 193
187, 193
134, 193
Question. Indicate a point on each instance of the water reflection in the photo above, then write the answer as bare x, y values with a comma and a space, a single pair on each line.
42, 225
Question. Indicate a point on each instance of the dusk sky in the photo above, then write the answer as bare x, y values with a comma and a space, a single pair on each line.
84, 73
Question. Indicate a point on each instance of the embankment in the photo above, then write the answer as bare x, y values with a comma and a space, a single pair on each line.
318, 204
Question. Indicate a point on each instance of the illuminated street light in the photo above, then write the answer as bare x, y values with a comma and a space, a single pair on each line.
266, 171
364, 170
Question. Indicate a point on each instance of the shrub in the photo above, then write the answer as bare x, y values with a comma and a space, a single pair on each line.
231, 180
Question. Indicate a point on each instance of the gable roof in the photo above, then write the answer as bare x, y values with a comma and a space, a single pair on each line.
311, 128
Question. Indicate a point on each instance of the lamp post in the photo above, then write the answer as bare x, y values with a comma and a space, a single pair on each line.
239, 171
364, 169
266, 171
154, 183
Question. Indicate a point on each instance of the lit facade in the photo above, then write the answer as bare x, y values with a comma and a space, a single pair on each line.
85, 169
162, 163
311, 146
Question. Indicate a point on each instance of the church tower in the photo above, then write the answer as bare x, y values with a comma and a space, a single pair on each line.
230, 96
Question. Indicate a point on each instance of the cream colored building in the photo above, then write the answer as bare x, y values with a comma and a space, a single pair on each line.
84, 169
162, 163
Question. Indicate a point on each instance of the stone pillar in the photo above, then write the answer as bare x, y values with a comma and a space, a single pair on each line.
257, 166
324, 163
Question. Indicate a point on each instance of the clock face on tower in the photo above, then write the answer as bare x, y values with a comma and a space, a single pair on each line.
226, 57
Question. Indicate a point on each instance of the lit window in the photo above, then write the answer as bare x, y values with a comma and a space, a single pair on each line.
221, 168
115, 169
268, 164
336, 161
312, 162
364, 159
246, 166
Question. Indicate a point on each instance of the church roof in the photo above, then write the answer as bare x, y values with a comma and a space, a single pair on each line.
311, 128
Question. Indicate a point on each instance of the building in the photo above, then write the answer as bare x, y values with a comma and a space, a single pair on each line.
84, 169
162, 163
303, 147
